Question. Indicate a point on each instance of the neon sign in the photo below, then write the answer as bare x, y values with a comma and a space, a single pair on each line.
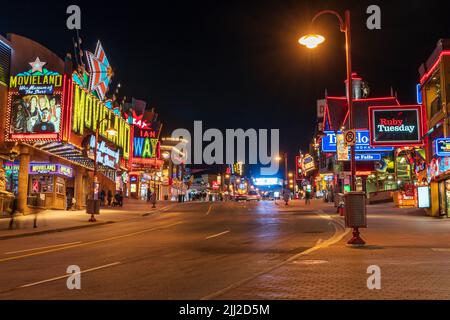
139, 121
88, 111
50, 168
395, 126
329, 143
442, 147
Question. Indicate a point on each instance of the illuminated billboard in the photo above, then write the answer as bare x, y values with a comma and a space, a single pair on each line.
88, 111
267, 181
395, 126
35, 104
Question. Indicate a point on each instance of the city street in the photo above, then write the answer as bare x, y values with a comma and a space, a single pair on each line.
214, 153
189, 252
229, 250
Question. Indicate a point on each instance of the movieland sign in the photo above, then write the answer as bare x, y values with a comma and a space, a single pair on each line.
88, 111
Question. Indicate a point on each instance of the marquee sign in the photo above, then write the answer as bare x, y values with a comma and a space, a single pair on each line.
395, 126
50, 168
88, 111
35, 104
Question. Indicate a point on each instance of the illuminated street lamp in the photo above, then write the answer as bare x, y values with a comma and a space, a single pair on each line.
313, 40
111, 132
279, 158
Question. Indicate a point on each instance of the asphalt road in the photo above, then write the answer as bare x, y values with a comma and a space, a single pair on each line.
191, 251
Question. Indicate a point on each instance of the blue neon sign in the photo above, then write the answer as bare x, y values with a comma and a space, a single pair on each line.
362, 143
368, 156
442, 147
419, 94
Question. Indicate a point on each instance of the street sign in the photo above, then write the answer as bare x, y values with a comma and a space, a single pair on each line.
350, 137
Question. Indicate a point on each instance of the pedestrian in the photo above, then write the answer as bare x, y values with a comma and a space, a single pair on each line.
109, 197
307, 197
153, 199
120, 198
69, 201
149, 195
286, 196
12, 213
102, 197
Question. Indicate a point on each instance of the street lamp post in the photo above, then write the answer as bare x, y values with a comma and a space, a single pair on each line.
111, 132
312, 41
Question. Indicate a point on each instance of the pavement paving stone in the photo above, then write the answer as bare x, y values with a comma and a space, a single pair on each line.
400, 242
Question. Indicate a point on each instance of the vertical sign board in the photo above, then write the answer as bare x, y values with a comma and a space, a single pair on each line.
298, 168
396, 126
342, 148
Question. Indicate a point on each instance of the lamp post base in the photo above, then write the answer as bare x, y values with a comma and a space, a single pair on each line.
356, 239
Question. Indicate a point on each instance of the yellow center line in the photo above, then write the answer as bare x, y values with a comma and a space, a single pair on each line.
87, 243
217, 235
209, 209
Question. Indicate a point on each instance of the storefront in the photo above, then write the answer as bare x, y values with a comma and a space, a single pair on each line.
439, 175
53, 117
48, 185
146, 162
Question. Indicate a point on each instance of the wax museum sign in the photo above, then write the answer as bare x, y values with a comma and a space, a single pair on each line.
35, 104
395, 126
145, 143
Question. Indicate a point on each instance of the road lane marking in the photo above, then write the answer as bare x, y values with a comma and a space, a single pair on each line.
68, 275
217, 235
39, 248
334, 239
441, 249
209, 209
87, 243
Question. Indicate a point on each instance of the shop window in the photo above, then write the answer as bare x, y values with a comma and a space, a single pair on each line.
433, 94
59, 185
42, 184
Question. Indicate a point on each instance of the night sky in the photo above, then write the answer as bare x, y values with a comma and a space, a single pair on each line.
237, 64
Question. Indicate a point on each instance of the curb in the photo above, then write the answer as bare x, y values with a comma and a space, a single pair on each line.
22, 235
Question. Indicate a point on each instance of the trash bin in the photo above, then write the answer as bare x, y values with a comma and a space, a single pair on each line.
93, 206
355, 209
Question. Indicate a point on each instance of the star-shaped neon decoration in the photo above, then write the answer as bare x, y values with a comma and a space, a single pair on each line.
37, 65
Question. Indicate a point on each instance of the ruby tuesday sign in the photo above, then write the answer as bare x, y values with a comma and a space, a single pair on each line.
395, 126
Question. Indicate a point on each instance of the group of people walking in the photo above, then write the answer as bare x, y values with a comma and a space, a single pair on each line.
107, 199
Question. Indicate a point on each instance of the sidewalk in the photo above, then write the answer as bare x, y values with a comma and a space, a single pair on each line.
413, 252
61, 220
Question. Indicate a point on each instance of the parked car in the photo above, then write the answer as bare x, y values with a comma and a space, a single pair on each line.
253, 195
